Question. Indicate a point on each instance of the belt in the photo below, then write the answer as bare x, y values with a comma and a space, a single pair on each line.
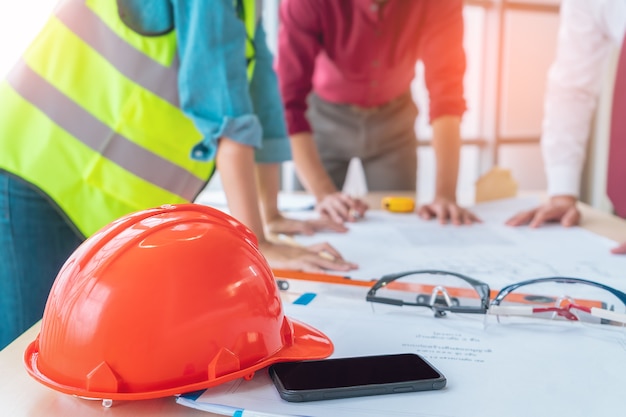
374, 109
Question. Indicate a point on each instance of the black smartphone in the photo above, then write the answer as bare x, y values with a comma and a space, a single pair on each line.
354, 377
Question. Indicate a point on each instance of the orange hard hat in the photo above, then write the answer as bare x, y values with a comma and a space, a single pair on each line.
161, 302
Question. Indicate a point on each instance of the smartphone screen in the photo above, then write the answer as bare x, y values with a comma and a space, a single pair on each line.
355, 376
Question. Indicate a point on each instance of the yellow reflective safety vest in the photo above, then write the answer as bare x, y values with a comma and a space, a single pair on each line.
90, 115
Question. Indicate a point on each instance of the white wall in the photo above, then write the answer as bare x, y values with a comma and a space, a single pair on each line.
595, 171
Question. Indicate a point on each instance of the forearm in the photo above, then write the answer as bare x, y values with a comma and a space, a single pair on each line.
235, 163
447, 147
268, 179
309, 166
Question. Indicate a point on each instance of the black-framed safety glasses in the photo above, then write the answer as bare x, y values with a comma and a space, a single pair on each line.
441, 291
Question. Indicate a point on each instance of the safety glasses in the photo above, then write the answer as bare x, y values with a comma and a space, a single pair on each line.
560, 298
550, 298
441, 291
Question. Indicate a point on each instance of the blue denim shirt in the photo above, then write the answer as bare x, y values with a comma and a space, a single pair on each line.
213, 83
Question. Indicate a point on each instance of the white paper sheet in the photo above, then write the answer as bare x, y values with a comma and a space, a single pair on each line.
286, 201
563, 370
493, 371
383, 243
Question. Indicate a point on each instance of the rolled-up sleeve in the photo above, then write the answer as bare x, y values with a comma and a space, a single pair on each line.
444, 58
268, 105
213, 84
298, 46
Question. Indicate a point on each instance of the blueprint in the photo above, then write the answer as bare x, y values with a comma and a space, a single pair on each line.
384, 242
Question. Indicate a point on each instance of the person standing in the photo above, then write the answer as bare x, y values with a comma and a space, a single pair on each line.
354, 62
119, 106
588, 31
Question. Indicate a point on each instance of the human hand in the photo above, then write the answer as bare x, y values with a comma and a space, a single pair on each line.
340, 207
284, 225
619, 250
561, 209
315, 258
444, 209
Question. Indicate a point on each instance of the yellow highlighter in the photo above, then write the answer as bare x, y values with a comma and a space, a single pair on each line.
398, 204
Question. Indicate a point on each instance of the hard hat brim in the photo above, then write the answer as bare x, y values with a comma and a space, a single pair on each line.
309, 343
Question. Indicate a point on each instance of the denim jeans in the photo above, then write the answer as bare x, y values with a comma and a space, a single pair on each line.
35, 241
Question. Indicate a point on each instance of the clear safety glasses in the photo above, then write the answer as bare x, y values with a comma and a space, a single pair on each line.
560, 298
441, 291
552, 298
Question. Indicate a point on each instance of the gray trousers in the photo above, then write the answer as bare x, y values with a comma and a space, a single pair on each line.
383, 138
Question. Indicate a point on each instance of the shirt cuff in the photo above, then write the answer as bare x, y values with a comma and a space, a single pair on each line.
244, 129
563, 180
447, 108
274, 150
297, 122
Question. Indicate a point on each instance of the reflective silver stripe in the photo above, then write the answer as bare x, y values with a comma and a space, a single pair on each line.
135, 65
96, 135
258, 10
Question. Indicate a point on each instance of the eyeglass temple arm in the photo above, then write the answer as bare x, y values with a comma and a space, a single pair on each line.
605, 314
384, 300
567, 280
529, 311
